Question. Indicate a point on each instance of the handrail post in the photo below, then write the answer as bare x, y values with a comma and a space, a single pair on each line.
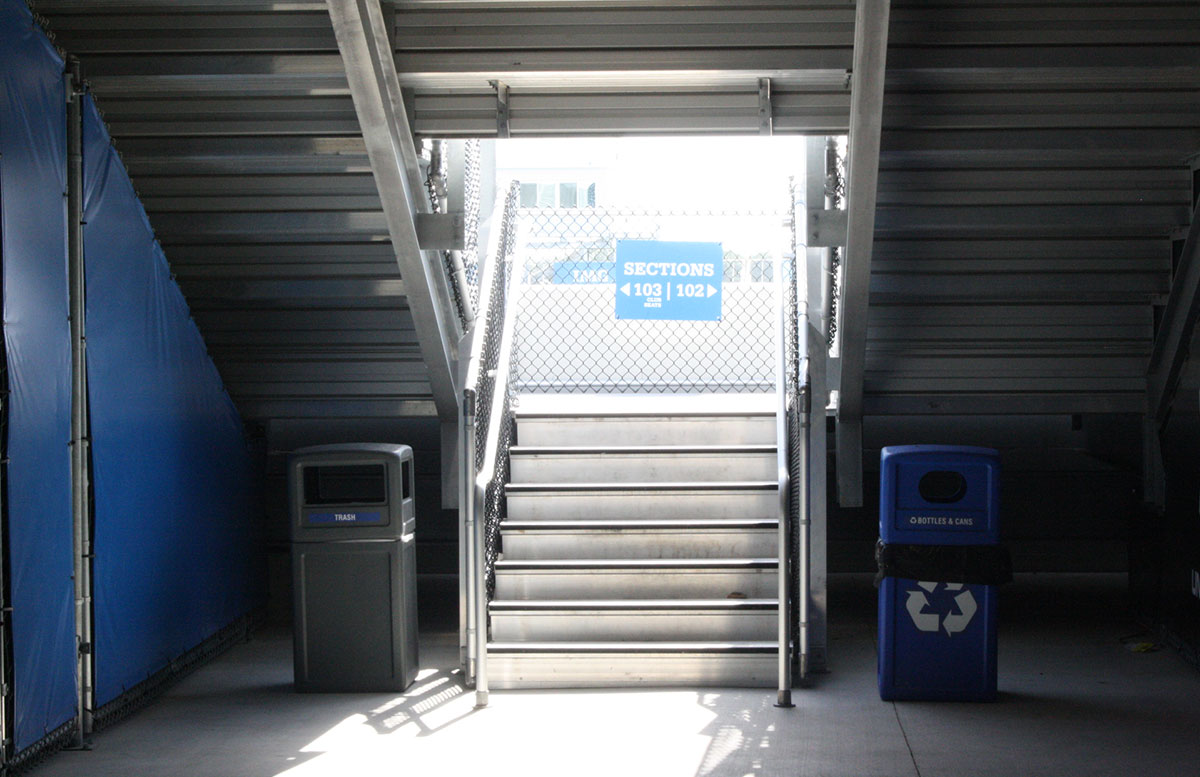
805, 400
784, 698
466, 567
481, 610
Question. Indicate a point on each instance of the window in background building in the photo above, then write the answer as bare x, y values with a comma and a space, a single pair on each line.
761, 270
564, 194
568, 195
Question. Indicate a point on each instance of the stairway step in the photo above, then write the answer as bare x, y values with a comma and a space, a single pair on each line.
635, 563
578, 404
599, 464
642, 486
637, 501
650, 428
624, 605
616, 620
624, 664
745, 578
714, 538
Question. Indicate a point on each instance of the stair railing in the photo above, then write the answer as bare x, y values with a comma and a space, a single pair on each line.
485, 434
793, 419
784, 303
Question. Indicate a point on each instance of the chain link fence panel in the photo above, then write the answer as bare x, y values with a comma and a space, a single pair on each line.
569, 339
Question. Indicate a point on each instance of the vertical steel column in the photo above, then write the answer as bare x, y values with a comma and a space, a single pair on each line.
80, 504
802, 283
5, 608
818, 287
804, 564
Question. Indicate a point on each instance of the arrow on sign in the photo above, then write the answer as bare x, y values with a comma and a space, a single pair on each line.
625, 290
711, 290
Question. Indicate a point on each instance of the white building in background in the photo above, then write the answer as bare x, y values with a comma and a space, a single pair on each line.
653, 174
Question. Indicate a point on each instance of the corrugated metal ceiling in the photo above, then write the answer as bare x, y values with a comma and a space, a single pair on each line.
1033, 166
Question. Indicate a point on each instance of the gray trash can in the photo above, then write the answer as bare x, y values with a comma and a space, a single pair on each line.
353, 567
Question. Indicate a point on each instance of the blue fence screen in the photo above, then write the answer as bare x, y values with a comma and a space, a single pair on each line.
175, 494
37, 341
173, 483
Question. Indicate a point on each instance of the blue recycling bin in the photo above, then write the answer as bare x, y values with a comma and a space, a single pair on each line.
939, 511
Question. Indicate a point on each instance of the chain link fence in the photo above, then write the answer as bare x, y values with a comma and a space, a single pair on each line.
793, 381
472, 182
570, 341
464, 288
835, 195
489, 377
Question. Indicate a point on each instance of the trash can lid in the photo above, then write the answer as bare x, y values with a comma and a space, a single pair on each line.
940, 450
390, 448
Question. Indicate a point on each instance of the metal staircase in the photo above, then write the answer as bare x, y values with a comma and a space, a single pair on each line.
635, 549
634, 495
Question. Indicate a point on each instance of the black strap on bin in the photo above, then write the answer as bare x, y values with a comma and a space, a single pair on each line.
975, 564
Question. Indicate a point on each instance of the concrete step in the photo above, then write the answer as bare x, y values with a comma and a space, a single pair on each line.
744, 578
641, 501
712, 664
675, 463
713, 538
672, 620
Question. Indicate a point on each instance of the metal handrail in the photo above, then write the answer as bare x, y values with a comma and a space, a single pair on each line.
487, 476
493, 263
493, 259
492, 272
781, 451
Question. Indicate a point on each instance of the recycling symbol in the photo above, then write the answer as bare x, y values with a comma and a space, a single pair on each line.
953, 622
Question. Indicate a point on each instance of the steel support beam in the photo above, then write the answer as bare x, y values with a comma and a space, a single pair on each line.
1175, 332
866, 123
361, 29
815, 286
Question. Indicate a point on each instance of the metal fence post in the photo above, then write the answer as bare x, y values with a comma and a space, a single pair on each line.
80, 512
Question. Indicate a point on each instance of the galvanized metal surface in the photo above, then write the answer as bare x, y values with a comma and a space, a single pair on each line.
1177, 328
552, 464
1033, 162
631, 623
866, 127
362, 37
730, 538
620, 668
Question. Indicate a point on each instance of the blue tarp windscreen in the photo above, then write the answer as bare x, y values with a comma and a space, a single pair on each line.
33, 250
173, 484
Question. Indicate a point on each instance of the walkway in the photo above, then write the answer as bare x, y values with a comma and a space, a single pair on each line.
1077, 699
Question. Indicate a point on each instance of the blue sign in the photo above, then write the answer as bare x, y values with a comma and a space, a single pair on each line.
669, 281
338, 519
583, 272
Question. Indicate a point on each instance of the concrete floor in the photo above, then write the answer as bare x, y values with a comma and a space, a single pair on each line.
1078, 698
